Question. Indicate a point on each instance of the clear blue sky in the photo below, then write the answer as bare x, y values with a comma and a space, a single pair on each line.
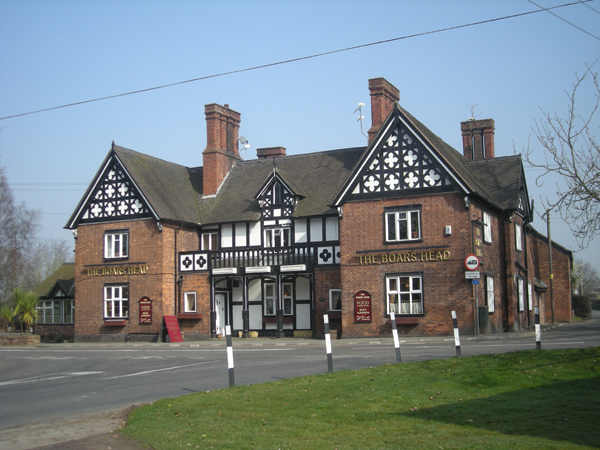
59, 52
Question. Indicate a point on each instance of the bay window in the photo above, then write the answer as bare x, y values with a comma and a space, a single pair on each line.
55, 311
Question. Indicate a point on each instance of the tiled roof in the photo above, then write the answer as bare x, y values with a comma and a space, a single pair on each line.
454, 159
503, 176
318, 177
172, 190
64, 276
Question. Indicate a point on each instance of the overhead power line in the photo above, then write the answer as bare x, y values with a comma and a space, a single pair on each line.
564, 20
302, 58
584, 3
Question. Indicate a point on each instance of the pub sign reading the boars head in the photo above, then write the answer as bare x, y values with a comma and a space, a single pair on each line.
362, 307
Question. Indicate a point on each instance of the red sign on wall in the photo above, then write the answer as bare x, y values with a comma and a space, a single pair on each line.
145, 310
173, 329
362, 307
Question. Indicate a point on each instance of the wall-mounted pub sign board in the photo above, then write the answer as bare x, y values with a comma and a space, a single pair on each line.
145, 311
362, 307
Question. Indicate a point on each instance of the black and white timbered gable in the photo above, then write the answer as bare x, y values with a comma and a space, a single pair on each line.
276, 198
399, 162
113, 195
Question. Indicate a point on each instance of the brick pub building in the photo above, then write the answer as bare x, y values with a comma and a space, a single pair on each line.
272, 244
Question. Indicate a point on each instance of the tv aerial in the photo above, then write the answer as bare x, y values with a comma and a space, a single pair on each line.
360, 117
244, 145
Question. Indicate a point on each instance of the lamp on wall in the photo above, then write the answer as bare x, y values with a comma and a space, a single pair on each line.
467, 202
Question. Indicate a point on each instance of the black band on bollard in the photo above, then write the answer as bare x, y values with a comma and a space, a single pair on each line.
395, 334
538, 330
229, 356
328, 344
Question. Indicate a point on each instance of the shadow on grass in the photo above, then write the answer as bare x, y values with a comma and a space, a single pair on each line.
562, 411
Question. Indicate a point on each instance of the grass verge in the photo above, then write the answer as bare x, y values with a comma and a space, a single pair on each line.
531, 399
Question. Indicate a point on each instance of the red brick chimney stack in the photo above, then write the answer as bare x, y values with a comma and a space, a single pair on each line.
384, 96
478, 138
222, 128
270, 152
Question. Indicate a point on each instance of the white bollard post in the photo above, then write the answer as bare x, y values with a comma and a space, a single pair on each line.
229, 356
456, 336
328, 344
395, 334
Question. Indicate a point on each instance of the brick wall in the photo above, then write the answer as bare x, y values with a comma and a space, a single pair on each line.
561, 283
150, 249
52, 332
444, 285
325, 279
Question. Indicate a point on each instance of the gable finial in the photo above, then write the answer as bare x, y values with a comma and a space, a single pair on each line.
112, 147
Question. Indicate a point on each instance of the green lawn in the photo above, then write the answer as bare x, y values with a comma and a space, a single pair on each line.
522, 400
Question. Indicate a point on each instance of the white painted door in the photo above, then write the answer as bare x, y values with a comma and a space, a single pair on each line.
220, 308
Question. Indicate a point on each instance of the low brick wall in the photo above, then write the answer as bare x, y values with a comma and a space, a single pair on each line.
19, 339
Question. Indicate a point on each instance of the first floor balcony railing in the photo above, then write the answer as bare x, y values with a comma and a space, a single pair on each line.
263, 257
308, 255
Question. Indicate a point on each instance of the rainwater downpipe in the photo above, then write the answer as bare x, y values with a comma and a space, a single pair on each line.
176, 272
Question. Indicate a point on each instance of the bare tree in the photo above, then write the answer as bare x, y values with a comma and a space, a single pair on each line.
572, 152
18, 227
44, 258
585, 277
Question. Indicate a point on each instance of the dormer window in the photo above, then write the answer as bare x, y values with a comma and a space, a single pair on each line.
276, 198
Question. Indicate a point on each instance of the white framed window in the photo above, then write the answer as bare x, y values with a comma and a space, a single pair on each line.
45, 309
116, 244
487, 227
332, 229
269, 299
521, 293
209, 241
277, 237
518, 237
189, 302
55, 311
335, 299
529, 296
489, 291
68, 311
404, 294
403, 225
116, 302
288, 300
